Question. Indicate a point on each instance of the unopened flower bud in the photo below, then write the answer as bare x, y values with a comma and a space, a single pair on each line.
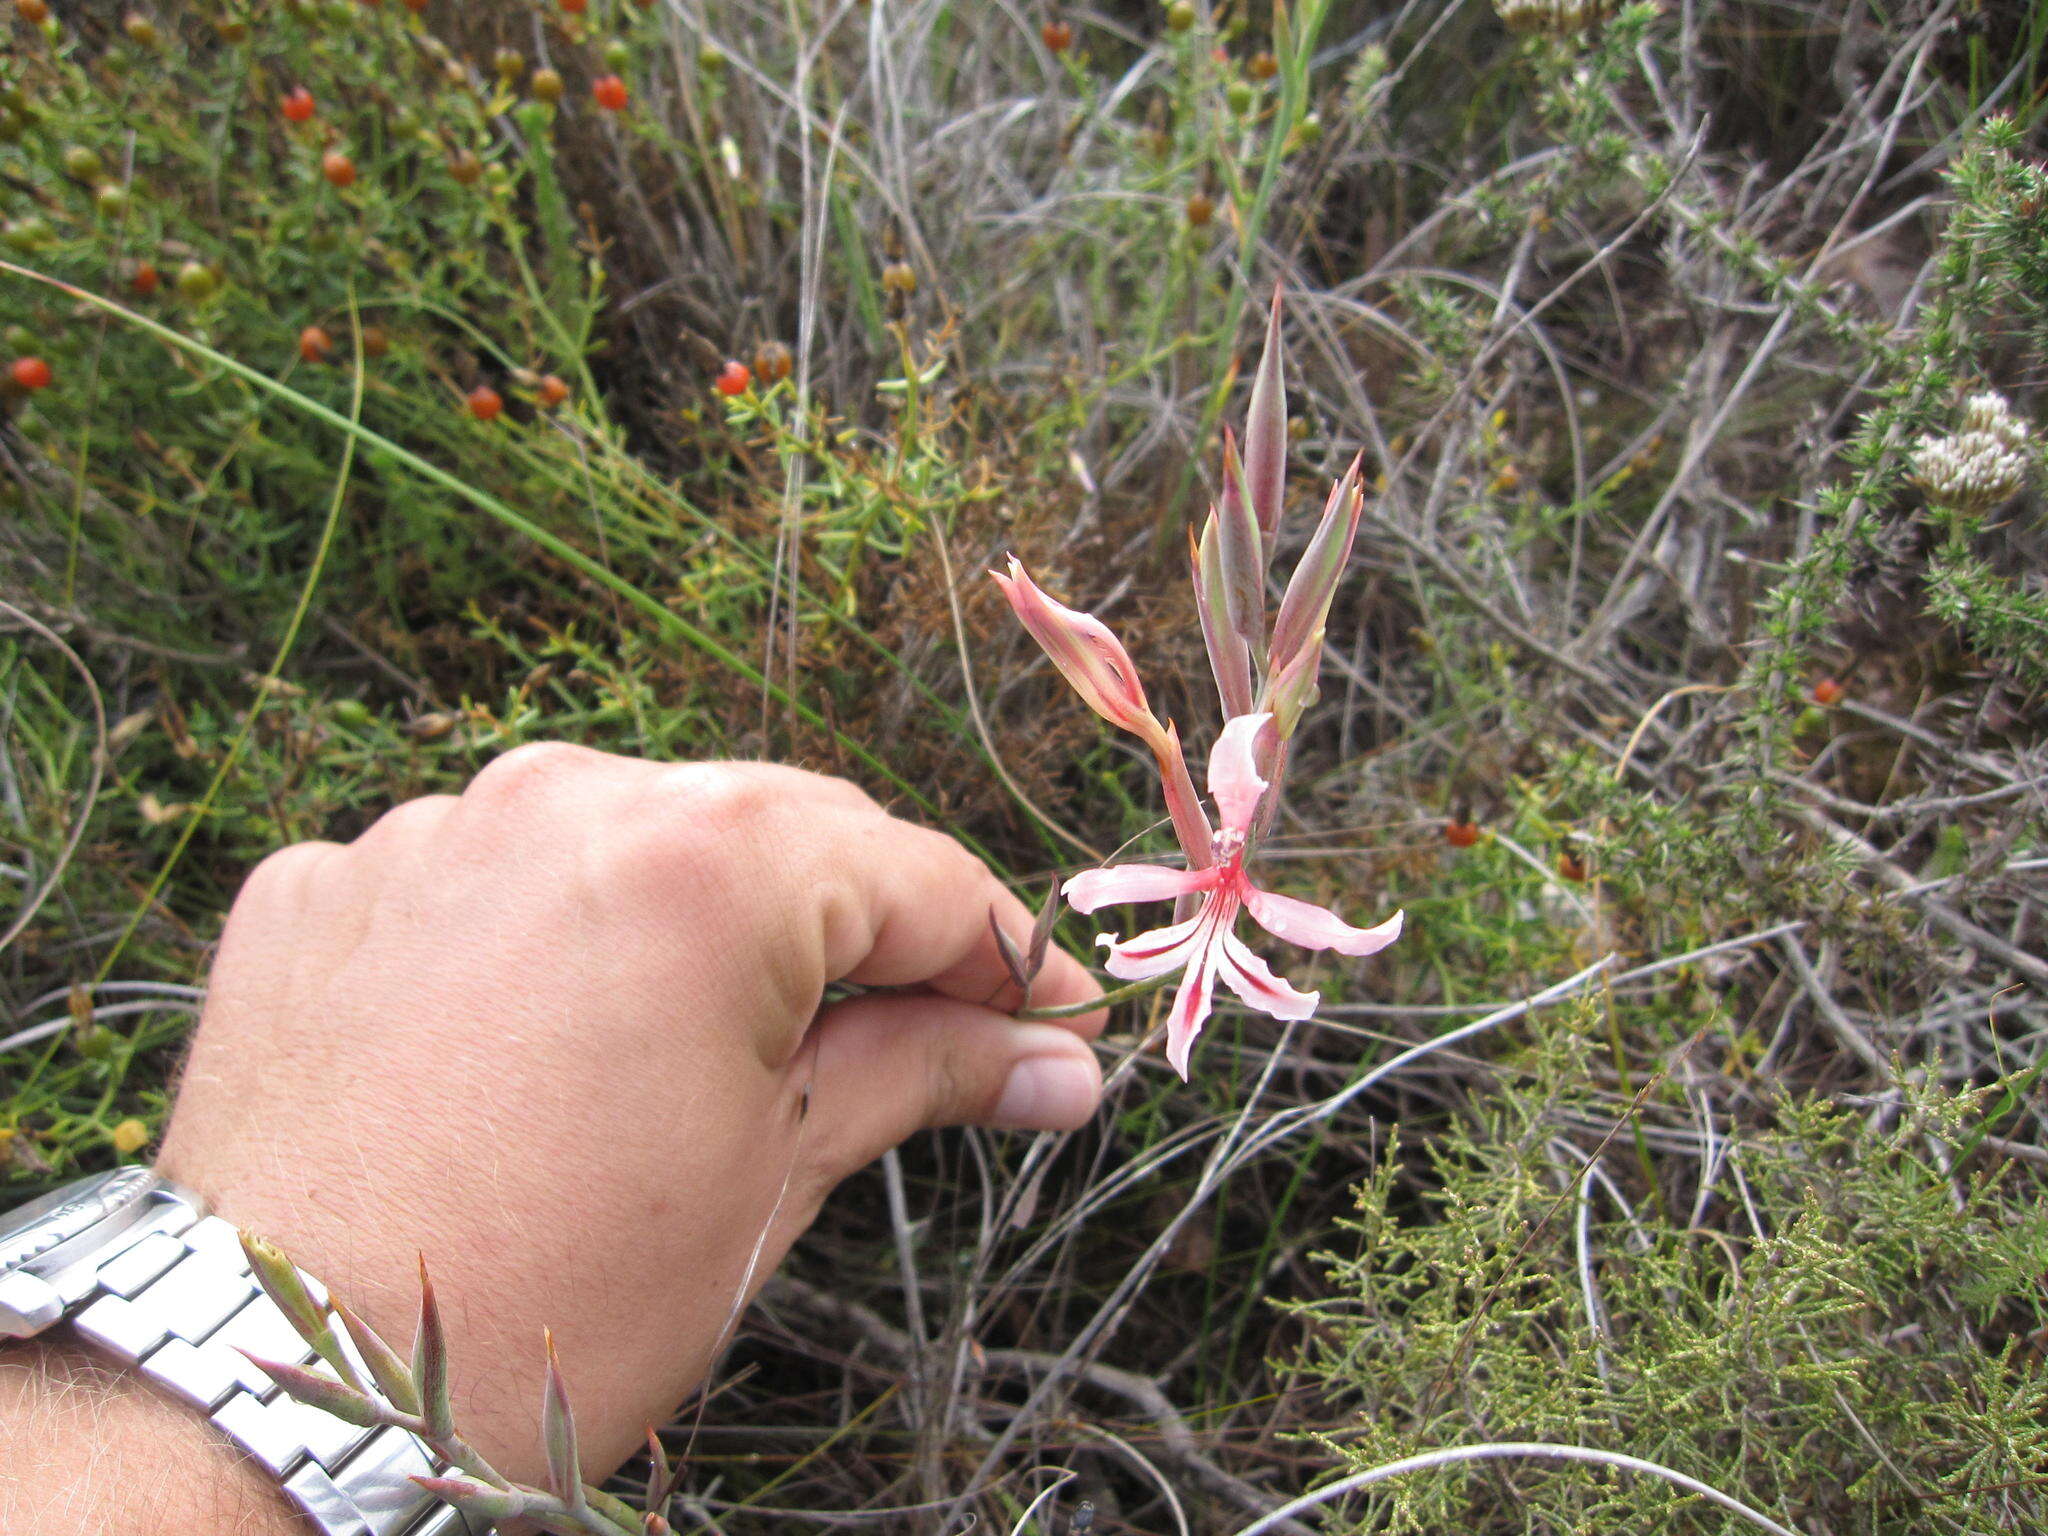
1091, 658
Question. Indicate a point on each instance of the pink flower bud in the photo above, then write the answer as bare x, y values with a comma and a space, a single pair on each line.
1265, 431
1243, 555
1314, 583
1291, 690
1229, 657
1089, 657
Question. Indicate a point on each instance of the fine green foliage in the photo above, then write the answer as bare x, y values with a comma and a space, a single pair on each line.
1830, 1319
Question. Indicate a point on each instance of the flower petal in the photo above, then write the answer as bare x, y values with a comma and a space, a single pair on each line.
1190, 1008
1154, 953
1108, 887
1234, 779
1253, 980
1314, 927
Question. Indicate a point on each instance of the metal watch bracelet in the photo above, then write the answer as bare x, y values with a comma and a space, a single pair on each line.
177, 1301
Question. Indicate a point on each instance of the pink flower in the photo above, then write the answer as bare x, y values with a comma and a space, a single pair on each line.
1206, 945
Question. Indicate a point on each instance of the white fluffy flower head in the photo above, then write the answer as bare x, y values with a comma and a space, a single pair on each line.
1975, 469
1558, 18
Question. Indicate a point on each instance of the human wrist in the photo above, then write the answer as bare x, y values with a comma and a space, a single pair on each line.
90, 1447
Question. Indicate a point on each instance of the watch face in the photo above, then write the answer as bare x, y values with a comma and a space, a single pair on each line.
64, 1213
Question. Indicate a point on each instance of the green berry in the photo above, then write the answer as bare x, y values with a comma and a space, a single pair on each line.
197, 282
1240, 95
82, 164
111, 199
618, 53
27, 232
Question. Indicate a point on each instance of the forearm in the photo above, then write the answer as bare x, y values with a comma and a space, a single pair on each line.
87, 1448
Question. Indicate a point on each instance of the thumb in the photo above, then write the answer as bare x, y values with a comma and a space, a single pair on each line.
887, 1066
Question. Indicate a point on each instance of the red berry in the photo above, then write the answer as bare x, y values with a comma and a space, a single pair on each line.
297, 105
1828, 692
144, 279
1461, 834
30, 373
315, 344
1058, 36
1571, 866
338, 168
575, 7
733, 378
485, 402
552, 392
610, 92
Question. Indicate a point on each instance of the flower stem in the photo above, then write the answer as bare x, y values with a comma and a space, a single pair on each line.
1075, 1010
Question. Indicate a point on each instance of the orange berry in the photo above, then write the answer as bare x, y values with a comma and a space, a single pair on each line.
733, 378
1201, 208
145, 279
552, 392
1827, 692
610, 92
772, 362
415, 6
34, 12
297, 105
1571, 866
1058, 36
315, 344
339, 170
1263, 66
485, 402
575, 7
30, 373
1461, 834
376, 341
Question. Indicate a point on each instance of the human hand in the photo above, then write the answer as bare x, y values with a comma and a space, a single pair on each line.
556, 1034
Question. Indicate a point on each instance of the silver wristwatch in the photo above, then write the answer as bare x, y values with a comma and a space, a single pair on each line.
142, 1273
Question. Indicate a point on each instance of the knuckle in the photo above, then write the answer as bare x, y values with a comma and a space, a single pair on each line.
720, 801
279, 875
408, 820
527, 771
951, 1099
